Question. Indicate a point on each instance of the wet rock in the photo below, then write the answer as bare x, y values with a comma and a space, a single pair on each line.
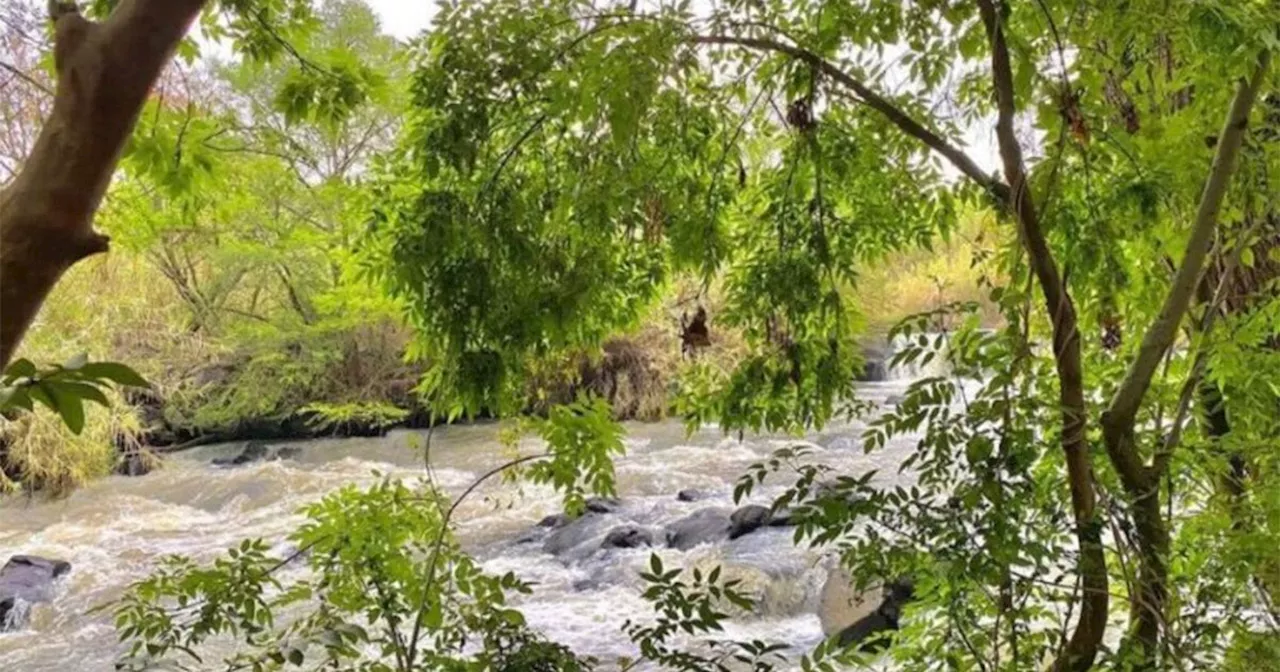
627, 536
700, 527
748, 519
692, 495
582, 585
531, 535
603, 504
257, 451
858, 616
575, 534
841, 604
25, 580
875, 367
252, 451
555, 520
868, 631
783, 518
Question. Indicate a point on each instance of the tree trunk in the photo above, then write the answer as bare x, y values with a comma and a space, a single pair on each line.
105, 72
1082, 648
1141, 482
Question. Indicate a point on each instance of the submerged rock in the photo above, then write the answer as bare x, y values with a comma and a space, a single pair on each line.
257, 451
26, 580
875, 367
692, 495
627, 536
700, 527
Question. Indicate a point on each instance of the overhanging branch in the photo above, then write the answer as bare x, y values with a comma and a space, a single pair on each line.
898, 117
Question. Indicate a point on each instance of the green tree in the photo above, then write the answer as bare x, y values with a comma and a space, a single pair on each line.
562, 163
563, 160
105, 71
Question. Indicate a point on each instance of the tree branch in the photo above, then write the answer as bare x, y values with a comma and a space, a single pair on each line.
26, 78
104, 73
1090, 628
875, 101
1124, 405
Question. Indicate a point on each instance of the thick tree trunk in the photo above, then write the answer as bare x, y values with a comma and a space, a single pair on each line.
105, 72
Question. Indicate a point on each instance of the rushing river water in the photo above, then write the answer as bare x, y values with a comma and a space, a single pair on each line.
114, 531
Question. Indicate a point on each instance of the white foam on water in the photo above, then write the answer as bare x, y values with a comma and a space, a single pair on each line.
115, 532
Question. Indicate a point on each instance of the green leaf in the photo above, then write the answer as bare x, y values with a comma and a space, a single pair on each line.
68, 405
21, 368
85, 391
19, 399
115, 372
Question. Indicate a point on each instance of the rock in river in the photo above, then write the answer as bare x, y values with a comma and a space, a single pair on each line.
700, 527
576, 534
25, 580
692, 495
748, 519
257, 451
859, 617
627, 536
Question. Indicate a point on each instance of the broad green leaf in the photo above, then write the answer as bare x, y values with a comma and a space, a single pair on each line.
115, 372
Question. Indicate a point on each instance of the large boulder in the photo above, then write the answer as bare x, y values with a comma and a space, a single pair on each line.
26, 580
841, 604
700, 527
627, 536
867, 633
858, 617
575, 535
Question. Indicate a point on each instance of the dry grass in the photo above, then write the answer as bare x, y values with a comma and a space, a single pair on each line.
50, 459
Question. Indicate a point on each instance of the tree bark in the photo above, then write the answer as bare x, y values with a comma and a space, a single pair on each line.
105, 72
1142, 483
1082, 648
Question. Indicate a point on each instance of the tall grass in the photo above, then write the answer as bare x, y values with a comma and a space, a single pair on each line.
916, 281
113, 307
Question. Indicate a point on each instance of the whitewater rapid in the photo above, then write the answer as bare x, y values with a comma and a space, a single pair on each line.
115, 530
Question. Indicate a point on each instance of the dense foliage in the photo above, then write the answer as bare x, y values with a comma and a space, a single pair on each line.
1092, 484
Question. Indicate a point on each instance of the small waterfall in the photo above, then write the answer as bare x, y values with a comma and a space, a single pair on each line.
17, 616
879, 358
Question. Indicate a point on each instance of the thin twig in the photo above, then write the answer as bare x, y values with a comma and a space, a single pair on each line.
27, 78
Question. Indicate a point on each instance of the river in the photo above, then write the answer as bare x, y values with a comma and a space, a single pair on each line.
114, 530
